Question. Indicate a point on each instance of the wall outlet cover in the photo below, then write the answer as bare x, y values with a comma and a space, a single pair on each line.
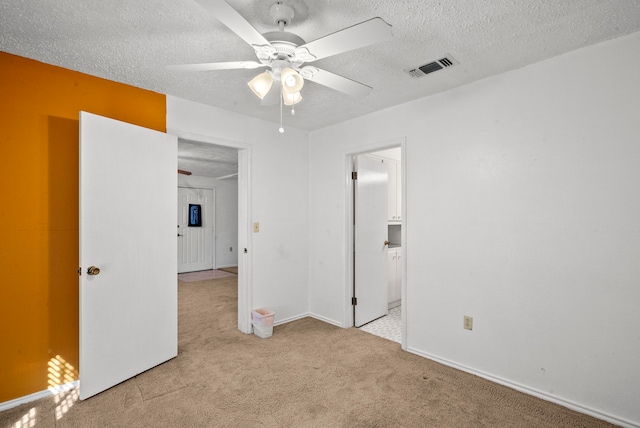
468, 323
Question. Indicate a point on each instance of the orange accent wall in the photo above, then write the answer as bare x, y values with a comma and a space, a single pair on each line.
39, 108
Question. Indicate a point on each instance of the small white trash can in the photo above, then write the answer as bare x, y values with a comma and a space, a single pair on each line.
262, 320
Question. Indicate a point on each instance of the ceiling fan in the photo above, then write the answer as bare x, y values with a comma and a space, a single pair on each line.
285, 54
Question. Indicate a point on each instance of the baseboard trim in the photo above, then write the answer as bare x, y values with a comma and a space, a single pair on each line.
327, 320
290, 319
530, 391
305, 315
38, 395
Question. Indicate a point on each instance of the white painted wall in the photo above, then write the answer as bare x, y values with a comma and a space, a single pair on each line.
279, 186
523, 211
226, 218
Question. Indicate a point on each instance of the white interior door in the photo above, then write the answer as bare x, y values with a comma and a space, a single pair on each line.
128, 191
195, 244
370, 236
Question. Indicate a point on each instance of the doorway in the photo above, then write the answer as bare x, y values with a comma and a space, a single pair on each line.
390, 325
225, 166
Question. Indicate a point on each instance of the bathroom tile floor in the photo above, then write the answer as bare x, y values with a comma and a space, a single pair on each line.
389, 326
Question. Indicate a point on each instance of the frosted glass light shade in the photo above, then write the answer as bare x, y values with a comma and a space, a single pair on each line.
291, 99
261, 84
292, 82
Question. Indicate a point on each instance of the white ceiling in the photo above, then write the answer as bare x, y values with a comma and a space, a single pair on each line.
131, 41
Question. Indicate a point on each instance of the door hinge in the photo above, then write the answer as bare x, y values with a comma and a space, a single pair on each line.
354, 175
354, 301
245, 251
80, 271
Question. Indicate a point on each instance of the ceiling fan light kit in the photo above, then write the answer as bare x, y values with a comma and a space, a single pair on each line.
291, 99
284, 53
261, 84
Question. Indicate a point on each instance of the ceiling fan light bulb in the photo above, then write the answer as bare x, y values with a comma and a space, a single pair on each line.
292, 82
261, 84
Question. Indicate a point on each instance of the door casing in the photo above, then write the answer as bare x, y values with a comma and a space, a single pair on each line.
348, 319
245, 275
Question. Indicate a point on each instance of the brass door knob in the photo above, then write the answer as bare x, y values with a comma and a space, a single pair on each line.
93, 270
386, 242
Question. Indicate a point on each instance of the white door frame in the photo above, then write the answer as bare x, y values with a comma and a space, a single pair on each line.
348, 320
245, 274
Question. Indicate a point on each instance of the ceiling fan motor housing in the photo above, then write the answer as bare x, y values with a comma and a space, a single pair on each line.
283, 41
283, 45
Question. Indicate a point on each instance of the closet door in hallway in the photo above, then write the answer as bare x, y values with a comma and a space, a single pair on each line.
195, 229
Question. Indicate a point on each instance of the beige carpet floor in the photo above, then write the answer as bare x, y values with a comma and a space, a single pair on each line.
203, 275
308, 374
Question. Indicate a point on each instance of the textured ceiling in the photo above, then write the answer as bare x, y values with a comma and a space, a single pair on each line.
207, 160
131, 41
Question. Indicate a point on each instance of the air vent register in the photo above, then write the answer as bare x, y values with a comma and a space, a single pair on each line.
423, 70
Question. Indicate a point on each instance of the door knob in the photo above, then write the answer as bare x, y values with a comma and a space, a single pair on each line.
386, 242
93, 270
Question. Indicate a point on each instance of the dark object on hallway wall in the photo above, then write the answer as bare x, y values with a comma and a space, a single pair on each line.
195, 215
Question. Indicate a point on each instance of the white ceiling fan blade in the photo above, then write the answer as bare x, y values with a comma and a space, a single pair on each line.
236, 23
358, 36
209, 66
334, 81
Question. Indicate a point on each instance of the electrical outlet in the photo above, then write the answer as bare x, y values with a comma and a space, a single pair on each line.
256, 227
468, 323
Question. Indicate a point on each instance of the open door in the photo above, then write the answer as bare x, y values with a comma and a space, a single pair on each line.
370, 260
128, 287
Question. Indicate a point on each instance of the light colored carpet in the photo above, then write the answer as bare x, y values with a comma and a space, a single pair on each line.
203, 275
308, 374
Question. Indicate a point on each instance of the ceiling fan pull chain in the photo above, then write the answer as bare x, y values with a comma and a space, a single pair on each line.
281, 128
